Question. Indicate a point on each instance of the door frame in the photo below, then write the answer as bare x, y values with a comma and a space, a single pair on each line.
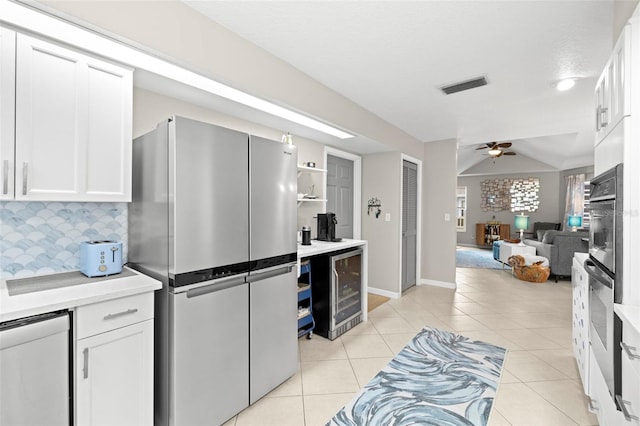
357, 185
404, 157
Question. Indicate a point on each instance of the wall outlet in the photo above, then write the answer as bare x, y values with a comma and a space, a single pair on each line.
447, 217
387, 217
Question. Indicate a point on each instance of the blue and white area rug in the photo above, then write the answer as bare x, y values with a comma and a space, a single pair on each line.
477, 258
439, 378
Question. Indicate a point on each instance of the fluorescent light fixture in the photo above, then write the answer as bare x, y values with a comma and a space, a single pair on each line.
565, 84
73, 35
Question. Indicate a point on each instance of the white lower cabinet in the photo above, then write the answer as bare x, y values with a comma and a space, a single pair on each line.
580, 318
600, 401
630, 364
114, 367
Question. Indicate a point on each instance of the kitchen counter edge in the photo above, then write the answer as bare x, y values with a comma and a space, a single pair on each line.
629, 314
320, 247
26, 305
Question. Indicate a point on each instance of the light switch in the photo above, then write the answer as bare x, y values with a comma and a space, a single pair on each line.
387, 217
447, 217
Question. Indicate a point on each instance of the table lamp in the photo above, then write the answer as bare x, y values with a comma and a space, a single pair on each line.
521, 223
574, 222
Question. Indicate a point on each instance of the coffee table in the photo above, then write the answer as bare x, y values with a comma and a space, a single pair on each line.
511, 249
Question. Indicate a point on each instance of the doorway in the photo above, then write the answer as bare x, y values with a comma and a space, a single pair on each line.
409, 223
340, 194
343, 191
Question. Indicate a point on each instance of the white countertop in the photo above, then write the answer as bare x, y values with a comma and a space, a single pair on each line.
319, 247
39, 302
630, 315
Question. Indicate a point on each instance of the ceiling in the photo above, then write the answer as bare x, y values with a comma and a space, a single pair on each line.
391, 58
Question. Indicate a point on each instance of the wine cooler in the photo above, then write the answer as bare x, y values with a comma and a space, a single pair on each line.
337, 292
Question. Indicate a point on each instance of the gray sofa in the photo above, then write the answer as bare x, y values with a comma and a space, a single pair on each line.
559, 247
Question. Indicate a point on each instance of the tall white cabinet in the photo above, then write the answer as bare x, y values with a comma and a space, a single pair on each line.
73, 121
7, 111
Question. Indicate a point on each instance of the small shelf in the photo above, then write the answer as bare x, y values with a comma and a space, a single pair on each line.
310, 200
310, 169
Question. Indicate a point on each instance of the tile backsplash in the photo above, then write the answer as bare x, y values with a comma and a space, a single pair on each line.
45, 237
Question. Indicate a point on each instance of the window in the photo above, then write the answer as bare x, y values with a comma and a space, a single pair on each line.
461, 209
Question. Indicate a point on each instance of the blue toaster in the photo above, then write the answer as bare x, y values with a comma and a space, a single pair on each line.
100, 258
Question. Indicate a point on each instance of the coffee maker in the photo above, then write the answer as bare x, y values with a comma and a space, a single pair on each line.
327, 227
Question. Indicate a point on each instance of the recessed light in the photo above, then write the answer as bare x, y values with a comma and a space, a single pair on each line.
565, 84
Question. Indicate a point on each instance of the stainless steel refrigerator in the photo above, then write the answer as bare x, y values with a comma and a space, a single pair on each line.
214, 218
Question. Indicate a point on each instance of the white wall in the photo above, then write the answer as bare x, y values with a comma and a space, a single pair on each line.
547, 212
381, 178
438, 265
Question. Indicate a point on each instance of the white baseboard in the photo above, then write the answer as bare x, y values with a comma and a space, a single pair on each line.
466, 245
437, 283
385, 293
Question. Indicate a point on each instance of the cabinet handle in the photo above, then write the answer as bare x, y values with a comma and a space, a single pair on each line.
623, 407
603, 113
629, 350
25, 176
592, 405
119, 314
85, 366
5, 177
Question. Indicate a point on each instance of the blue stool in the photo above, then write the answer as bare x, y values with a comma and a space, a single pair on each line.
496, 249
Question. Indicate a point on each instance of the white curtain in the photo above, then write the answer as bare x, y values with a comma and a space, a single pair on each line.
574, 205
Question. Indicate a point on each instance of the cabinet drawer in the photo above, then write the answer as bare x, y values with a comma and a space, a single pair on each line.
112, 314
631, 338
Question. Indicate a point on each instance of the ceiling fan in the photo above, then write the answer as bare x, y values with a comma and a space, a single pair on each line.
497, 149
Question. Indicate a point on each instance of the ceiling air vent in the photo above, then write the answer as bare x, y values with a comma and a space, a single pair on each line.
464, 85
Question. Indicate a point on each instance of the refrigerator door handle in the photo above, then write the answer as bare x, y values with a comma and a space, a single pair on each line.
270, 274
200, 291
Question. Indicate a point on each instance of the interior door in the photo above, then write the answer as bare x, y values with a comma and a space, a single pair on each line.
409, 223
340, 194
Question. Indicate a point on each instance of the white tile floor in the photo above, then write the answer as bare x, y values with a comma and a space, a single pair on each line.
539, 383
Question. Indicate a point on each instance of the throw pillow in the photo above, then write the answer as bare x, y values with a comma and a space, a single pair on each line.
549, 236
541, 233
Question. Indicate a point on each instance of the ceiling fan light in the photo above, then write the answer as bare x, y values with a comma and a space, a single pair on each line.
494, 152
565, 84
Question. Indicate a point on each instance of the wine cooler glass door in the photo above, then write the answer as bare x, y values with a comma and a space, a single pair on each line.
346, 287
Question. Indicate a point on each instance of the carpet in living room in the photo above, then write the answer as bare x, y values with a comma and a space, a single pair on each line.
467, 257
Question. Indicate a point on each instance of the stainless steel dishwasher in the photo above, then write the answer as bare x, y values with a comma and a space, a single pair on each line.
34, 366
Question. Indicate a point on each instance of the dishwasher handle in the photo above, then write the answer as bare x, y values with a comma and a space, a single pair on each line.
219, 286
270, 274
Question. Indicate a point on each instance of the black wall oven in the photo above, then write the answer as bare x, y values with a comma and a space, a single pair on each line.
604, 267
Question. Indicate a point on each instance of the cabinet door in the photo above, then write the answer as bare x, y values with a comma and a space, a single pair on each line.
114, 377
601, 97
7, 111
619, 70
73, 125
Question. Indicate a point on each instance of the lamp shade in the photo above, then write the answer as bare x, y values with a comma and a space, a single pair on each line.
574, 221
521, 222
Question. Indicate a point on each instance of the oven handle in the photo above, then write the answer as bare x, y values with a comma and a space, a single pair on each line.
595, 273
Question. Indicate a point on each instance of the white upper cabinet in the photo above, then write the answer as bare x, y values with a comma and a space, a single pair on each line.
7, 111
73, 121
612, 93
